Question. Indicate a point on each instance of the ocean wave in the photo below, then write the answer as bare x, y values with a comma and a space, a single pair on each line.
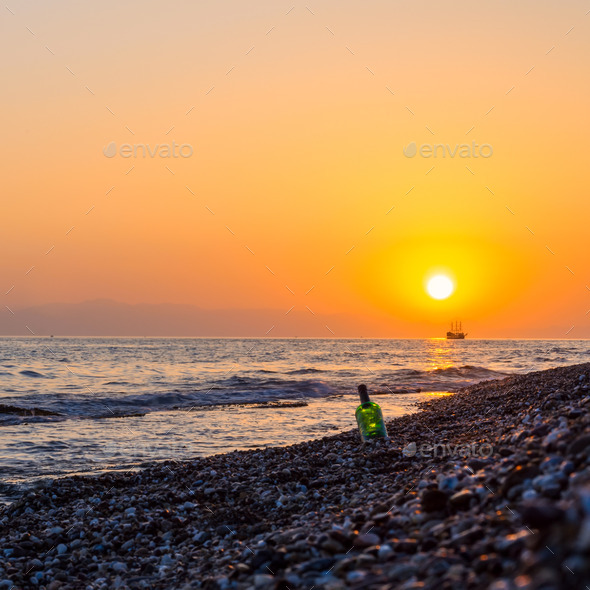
34, 374
236, 391
409, 372
6, 409
11, 415
450, 378
246, 384
467, 371
233, 390
120, 415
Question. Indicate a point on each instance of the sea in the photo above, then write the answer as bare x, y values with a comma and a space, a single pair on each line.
88, 405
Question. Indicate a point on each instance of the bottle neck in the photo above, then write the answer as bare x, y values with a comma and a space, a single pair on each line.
363, 394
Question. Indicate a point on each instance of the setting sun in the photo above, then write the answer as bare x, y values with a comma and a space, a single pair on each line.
440, 287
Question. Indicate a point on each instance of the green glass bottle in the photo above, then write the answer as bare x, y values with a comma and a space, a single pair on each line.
369, 417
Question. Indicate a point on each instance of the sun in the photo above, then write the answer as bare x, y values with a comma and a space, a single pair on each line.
440, 287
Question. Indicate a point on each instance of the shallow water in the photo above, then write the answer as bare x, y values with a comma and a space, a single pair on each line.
124, 401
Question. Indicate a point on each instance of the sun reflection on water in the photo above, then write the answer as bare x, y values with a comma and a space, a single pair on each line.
439, 354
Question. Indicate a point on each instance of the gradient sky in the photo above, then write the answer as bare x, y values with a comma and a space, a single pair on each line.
297, 116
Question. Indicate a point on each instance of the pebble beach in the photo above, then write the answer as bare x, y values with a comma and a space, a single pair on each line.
486, 488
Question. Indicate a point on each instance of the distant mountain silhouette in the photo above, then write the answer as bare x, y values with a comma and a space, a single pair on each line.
104, 317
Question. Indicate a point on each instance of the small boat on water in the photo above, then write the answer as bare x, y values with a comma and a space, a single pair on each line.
456, 332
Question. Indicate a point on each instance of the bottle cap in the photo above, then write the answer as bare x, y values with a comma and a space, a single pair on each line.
363, 394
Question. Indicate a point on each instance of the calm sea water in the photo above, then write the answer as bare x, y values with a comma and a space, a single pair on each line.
121, 402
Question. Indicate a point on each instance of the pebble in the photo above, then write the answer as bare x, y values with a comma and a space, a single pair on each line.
448, 484
127, 545
406, 546
434, 500
548, 485
355, 577
366, 540
556, 435
385, 552
332, 546
262, 580
579, 444
461, 500
540, 514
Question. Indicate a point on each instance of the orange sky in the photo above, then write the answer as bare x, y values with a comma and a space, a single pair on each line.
297, 135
